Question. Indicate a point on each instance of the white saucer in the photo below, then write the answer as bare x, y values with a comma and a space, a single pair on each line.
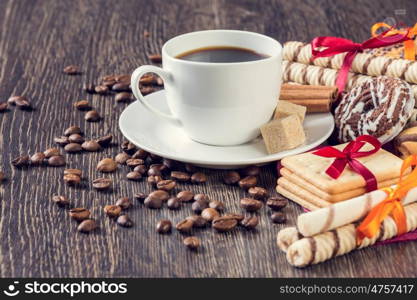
158, 136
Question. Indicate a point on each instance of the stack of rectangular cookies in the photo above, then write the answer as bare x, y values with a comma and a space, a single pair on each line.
304, 179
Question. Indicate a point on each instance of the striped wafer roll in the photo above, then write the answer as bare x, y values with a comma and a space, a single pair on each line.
342, 240
288, 236
364, 63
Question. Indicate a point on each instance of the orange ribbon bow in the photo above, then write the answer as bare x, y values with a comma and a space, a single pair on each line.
391, 205
410, 50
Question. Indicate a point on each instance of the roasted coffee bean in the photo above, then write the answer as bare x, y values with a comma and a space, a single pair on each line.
102, 183
184, 226
198, 221
251, 171
237, 217
190, 168
79, 213
123, 97
72, 70
121, 158
91, 146
76, 138
82, 105
163, 195
128, 147
134, 176
277, 203
72, 130
60, 200
72, 179
170, 163
112, 211
148, 79
2, 176
222, 224
209, 214
250, 204
140, 154
156, 169
192, 243
56, 161
153, 180
104, 141
231, 177
51, 152
278, 217
21, 161
73, 148
89, 88
180, 176
23, 103
87, 226
3, 106
133, 162
248, 182
156, 199
124, 202
62, 141
92, 116
198, 178
123, 78
155, 58
140, 169
107, 165
217, 205
140, 197
155, 158
101, 89
201, 197
122, 87
145, 90
185, 196
108, 81
124, 221
198, 206
250, 222
258, 192
73, 171
37, 158
166, 185
164, 226
108, 78
173, 203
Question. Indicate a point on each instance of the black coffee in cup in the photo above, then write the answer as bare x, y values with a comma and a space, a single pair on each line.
221, 54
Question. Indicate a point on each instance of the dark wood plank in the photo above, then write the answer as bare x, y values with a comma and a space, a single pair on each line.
39, 38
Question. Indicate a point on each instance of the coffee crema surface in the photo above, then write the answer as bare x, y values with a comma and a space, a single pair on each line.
221, 54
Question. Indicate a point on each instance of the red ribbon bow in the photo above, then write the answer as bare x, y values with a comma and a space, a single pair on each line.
348, 157
335, 45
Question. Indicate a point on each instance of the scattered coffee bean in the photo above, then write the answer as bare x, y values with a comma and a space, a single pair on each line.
237, 217
148, 79
166, 185
82, 105
140, 169
250, 204
278, 217
163, 195
231, 177
128, 147
155, 58
101, 89
56, 161
198, 206
124, 221
145, 90
198, 178
153, 180
105, 141
21, 161
73, 148
60, 200
190, 168
122, 78
248, 182
89, 88
184, 226
217, 205
51, 152
102, 184
192, 243
77, 172
173, 203
62, 141
121, 158
164, 226
22, 102
156, 170
201, 197
92, 116
185, 196
154, 158
72, 179
133, 162
198, 221
250, 222
140, 197
258, 192
251, 171
209, 214
180, 176
76, 138
277, 203
112, 211
171, 164
108, 78
12, 99
124, 203
72, 70
107, 165
135, 176
72, 130
122, 87
140, 154
2, 176
37, 158
79, 213
91, 146
155, 200
123, 97
87, 226
222, 224
3, 106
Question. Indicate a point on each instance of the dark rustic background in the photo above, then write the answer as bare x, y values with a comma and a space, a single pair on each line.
39, 38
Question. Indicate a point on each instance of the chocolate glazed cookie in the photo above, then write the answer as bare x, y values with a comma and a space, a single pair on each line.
380, 107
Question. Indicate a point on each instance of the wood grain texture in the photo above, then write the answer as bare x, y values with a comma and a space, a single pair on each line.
39, 38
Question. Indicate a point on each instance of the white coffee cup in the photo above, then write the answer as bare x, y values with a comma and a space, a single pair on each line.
217, 103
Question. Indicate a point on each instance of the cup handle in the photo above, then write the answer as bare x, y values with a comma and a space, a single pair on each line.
137, 74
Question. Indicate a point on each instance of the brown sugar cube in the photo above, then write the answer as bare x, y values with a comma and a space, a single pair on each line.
283, 134
285, 109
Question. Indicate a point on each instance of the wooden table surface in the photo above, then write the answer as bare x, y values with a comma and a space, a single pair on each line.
39, 38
